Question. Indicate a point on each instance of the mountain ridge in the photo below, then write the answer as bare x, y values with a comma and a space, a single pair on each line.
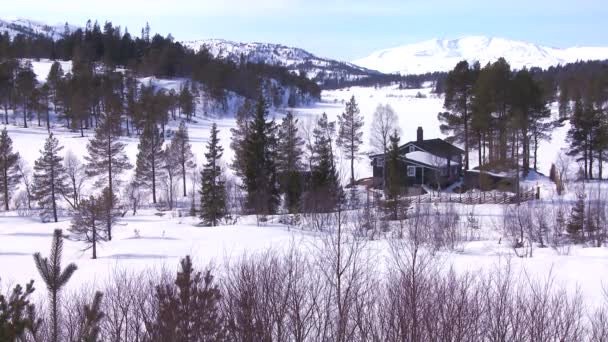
294, 58
443, 54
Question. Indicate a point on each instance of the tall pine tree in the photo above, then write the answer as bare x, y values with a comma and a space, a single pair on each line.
260, 174
9, 173
350, 133
213, 191
107, 158
181, 146
325, 191
289, 162
49, 177
150, 157
458, 98
393, 181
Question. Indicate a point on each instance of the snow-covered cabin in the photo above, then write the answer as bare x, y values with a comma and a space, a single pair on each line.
432, 162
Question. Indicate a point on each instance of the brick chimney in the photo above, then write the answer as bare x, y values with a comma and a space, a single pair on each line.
419, 135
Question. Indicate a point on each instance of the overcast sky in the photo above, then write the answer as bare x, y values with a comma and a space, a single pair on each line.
338, 28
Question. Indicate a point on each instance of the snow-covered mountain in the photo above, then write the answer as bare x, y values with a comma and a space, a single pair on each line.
295, 59
443, 55
30, 27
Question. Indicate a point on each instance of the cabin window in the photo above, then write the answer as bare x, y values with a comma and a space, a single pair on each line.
444, 171
411, 171
412, 148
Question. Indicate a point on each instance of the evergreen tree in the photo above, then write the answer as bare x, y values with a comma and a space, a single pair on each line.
530, 114
150, 158
49, 177
289, 161
26, 85
107, 158
325, 192
183, 150
89, 223
350, 134
93, 317
580, 134
186, 102
18, 313
9, 172
189, 309
7, 85
576, 222
53, 80
244, 115
55, 278
393, 183
458, 97
260, 176
213, 190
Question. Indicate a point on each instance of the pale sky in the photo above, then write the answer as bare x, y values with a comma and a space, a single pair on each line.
338, 28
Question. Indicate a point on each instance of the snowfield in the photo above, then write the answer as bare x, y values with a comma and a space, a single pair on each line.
154, 240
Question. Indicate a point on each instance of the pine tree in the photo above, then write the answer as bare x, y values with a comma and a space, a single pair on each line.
49, 177
186, 102
458, 97
89, 223
54, 82
350, 134
7, 85
393, 185
55, 278
171, 170
580, 134
213, 191
260, 177
244, 115
18, 313
26, 84
107, 158
325, 192
189, 309
289, 161
93, 317
181, 146
9, 172
576, 222
150, 157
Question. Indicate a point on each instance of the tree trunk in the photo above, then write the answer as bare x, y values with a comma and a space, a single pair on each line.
53, 193
94, 241
24, 115
5, 180
48, 121
55, 332
184, 175
109, 220
153, 179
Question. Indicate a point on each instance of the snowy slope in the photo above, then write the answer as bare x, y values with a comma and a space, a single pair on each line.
443, 55
30, 27
293, 58
148, 241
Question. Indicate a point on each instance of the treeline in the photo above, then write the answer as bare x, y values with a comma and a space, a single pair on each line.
504, 115
281, 167
501, 114
336, 291
147, 55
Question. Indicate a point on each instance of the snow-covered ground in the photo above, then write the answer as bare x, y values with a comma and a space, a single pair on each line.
164, 239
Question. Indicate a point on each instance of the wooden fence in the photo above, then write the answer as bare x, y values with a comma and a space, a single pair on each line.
493, 197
